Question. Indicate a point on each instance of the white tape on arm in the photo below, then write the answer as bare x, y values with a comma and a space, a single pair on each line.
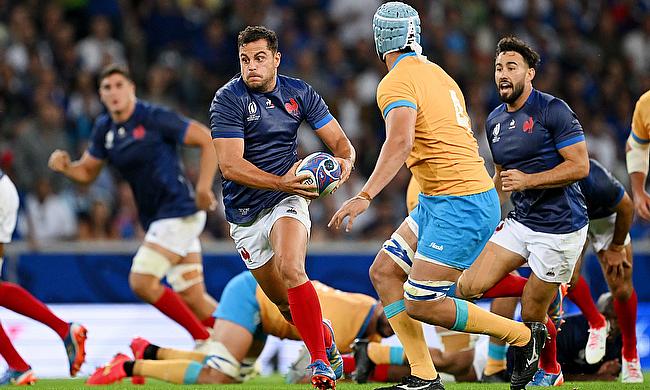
637, 156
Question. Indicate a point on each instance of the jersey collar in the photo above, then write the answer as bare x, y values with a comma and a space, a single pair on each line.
402, 56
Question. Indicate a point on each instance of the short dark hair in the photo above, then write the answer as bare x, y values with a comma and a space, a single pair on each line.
512, 43
112, 69
255, 33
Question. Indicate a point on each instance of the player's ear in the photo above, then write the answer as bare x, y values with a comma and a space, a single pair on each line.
276, 58
531, 74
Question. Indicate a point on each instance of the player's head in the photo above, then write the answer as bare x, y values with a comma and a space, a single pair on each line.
396, 27
514, 68
116, 88
259, 57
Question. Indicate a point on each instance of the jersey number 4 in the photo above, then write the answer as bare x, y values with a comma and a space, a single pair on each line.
461, 116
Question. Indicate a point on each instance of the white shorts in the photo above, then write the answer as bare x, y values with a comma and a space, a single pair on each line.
253, 241
179, 235
551, 257
601, 233
8, 209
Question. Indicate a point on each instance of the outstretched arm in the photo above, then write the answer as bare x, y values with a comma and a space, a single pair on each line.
84, 170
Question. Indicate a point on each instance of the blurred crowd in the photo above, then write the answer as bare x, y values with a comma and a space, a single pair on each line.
595, 55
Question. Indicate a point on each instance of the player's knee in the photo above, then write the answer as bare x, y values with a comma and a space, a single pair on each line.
467, 288
293, 273
145, 287
621, 290
183, 276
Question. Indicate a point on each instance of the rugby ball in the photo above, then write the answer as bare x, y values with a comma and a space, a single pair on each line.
322, 169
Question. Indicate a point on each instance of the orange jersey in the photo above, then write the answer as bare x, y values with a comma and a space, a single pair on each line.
412, 193
641, 119
348, 312
444, 159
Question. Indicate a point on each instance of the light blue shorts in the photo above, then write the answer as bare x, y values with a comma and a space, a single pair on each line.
452, 230
238, 303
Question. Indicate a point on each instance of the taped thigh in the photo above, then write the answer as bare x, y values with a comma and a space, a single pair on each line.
176, 276
398, 249
426, 290
150, 262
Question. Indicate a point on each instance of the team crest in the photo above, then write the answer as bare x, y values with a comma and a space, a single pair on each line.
528, 125
139, 132
292, 107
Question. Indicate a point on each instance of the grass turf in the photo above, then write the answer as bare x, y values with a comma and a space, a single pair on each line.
276, 382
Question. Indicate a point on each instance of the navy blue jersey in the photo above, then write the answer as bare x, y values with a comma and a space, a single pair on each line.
601, 190
571, 342
529, 140
268, 123
144, 149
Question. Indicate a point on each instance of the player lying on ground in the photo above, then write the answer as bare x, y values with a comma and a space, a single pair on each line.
244, 318
15, 298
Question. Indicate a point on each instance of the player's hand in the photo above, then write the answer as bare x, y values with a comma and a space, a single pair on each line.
59, 161
346, 170
642, 205
615, 262
205, 199
294, 184
514, 180
351, 209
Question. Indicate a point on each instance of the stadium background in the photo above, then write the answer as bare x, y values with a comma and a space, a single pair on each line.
73, 243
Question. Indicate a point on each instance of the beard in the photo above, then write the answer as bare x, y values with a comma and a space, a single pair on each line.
509, 98
260, 86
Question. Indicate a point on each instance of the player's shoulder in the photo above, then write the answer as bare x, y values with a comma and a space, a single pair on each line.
293, 84
597, 172
103, 122
235, 88
494, 114
549, 104
644, 99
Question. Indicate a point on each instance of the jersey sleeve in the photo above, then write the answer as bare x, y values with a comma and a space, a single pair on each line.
563, 124
395, 92
96, 146
641, 120
606, 185
316, 112
173, 126
226, 116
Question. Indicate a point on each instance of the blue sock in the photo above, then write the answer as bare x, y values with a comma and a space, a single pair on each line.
397, 356
393, 309
497, 352
192, 373
461, 315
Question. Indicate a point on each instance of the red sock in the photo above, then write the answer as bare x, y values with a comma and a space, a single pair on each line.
626, 314
173, 307
17, 299
509, 286
209, 321
9, 353
306, 315
380, 373
581, 296
348, 364
548, 358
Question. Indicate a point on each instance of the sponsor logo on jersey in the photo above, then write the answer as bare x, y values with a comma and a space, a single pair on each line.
269, 104
495, 133
291, 210
512, 125
252, 112
437, 247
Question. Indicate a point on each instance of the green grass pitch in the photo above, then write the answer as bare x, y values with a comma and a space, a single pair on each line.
276, 382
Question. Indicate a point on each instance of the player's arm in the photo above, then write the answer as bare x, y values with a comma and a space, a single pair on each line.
199, 136
400, 135
84, 170
233, 166
615, 256
503, 195
333, 136
637, 151
574, 167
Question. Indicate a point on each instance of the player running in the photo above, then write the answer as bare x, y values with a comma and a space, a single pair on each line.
19, 300
254, 120
141, 140
427, 127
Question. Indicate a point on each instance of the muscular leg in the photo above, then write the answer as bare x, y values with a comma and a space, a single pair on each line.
147, 287
625, 303
191, 287
388, 279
